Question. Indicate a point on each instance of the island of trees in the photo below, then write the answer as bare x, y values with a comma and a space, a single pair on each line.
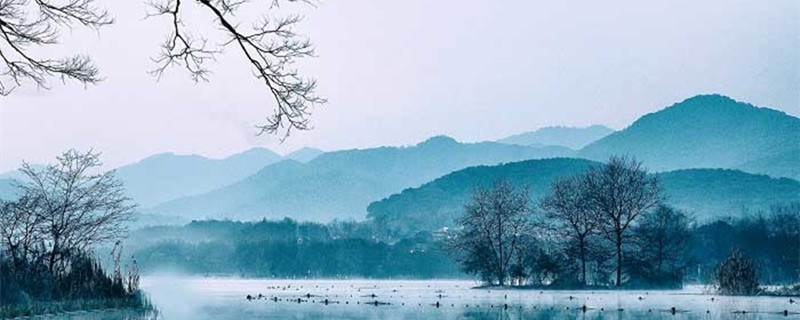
608, 227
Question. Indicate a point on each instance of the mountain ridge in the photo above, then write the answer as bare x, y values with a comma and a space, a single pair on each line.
167, 176
340, 184
571, 137
704, 131
707, 193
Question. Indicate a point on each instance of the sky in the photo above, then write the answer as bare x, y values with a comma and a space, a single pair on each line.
396, 72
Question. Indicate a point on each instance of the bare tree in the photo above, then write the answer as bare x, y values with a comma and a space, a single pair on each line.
570, 216
488, 240
270, 47
784, 221
20, 228
620, 191
663, 239
75, 207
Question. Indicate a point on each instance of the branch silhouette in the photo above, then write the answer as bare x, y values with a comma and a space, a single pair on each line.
270, 47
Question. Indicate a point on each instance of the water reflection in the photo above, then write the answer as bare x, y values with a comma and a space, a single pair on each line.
225, 299
365, 311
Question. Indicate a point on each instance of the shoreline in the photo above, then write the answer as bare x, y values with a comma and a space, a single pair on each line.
139, 303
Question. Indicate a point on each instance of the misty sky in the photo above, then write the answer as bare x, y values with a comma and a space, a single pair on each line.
396, 72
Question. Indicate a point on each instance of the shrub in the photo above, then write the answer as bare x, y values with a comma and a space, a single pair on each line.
736, 276
30, 288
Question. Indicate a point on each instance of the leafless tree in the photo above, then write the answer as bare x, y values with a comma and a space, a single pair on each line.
270, 47
20, 228
488, 240
785, 222
75, 207
570, 216
663, 238
620, 191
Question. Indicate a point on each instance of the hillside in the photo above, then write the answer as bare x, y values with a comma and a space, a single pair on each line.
719, 193
707, 193
7, 189
305, 154
439, 202
573, 138
168, 176
708, 131
780, 165
341, 184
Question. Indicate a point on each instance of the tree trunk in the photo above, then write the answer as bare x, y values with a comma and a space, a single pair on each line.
500, 244
14, 254
619, 259
53, 255
582, 244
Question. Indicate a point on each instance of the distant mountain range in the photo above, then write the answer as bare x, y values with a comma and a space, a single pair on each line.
708, 131
168, 176
573, 138
7, 189
719, 193
707, 193
341, 184
305, 154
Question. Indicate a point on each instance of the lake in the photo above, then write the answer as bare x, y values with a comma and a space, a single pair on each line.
226, 298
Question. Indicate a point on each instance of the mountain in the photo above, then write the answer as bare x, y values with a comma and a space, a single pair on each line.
168, 176
18, 175
707, 131
305, 154
341, 184
780, 165
573, 138
7, 189
13, 174
706, 193
718, 193
439, 202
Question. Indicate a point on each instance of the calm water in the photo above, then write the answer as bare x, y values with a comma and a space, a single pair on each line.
225, 298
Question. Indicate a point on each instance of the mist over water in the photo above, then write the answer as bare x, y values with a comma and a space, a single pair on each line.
181, 297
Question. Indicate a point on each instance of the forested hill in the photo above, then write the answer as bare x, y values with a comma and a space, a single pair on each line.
713, 194
439, 202
708, 131
7, 189
706, 193
341, 184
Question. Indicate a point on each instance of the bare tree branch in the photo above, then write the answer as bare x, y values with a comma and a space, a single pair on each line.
24, 24
70, 207
270, 46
